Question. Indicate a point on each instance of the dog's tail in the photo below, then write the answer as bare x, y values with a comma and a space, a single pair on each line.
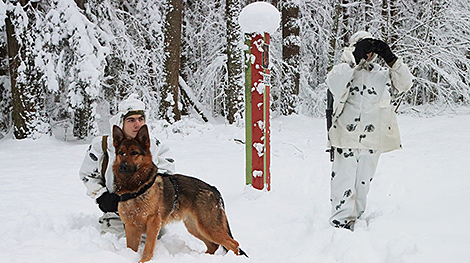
240, 251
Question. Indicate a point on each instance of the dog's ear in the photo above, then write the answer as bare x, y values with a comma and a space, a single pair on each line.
143, 137
118, 136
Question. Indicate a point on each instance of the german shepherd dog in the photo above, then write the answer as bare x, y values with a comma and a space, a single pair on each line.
150, 200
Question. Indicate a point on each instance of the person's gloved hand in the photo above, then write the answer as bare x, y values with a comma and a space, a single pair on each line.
363, 48
382, 49
108, 202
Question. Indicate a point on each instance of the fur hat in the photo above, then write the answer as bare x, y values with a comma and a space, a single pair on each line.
130, 106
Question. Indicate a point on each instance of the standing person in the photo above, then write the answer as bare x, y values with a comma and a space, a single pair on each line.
363, 123
96, 171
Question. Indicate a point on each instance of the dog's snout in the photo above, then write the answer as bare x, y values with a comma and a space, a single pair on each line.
124, 168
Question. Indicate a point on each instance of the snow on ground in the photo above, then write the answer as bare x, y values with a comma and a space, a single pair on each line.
417, 211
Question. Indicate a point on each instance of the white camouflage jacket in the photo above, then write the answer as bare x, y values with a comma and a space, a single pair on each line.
363, 116
90, 171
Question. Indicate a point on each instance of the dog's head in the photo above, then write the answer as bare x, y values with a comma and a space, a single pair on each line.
133, 157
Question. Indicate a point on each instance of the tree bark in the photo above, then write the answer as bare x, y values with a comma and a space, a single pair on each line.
21, 130
395, 23
81, 4
386, 18
368, 11
5, 84
28, 95
169, 101
234, 87
291, 54
334, 35
344, 28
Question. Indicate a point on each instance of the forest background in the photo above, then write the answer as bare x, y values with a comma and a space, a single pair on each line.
66, 64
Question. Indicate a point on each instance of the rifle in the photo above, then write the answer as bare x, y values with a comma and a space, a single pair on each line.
329, 117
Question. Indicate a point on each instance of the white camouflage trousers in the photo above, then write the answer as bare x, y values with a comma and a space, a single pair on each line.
352, 173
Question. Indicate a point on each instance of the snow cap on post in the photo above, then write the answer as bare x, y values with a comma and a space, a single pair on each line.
259, 17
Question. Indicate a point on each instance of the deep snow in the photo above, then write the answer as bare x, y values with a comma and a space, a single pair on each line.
417, 211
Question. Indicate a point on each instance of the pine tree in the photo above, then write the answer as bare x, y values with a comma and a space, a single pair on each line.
28, 94
74, 52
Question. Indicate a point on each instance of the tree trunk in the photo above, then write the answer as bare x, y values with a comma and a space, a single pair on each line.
334, 36
386, 18
83, 117
234, 88
391, 22
81, 4
27, 91
184, 58
21, 130
368, 11
169, 101
344, 28
395, 23
5, 91
290, 54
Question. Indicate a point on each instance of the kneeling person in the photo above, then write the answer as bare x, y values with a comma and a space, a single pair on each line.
96, 170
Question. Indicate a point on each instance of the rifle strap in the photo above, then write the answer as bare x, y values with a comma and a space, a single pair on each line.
104, 165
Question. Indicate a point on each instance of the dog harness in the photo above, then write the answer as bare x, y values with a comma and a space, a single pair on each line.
104, 165
125, 197
175, 187
128, 196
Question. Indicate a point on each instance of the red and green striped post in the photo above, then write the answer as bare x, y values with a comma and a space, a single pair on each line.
257, 111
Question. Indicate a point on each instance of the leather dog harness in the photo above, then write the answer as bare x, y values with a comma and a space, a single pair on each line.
125, 197
128, 196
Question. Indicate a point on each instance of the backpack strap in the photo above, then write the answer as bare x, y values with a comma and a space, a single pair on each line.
104, 166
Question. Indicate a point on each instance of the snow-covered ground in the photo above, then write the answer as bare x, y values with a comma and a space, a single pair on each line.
417, 211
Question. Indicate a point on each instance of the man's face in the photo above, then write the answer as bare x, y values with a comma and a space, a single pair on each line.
132, 125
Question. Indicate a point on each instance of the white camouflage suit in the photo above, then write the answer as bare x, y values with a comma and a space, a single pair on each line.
363, 126
90, 172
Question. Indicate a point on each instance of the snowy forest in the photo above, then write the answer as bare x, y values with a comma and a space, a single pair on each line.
66, 64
